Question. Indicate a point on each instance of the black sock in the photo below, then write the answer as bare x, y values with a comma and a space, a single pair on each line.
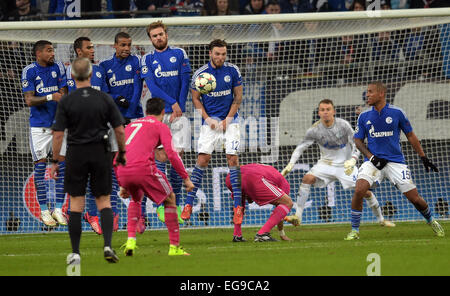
107, 220
75, 231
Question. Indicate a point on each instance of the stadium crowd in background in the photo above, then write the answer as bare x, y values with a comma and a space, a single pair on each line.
16, 10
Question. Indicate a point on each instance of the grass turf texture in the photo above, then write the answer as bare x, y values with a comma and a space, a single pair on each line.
408, 249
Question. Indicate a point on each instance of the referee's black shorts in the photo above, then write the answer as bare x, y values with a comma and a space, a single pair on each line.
84, 162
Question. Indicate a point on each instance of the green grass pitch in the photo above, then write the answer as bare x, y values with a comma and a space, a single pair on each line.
408, 249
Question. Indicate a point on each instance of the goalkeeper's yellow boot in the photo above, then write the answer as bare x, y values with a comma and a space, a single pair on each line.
177, 251
387, 223
129, 247
160, 213
437, 228
353, 235
179, 210
294, 220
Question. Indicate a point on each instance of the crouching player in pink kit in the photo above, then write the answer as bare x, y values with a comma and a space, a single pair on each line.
141, 176
263, 184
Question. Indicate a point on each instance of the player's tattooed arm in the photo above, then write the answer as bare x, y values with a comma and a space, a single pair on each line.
32, 100
363, 148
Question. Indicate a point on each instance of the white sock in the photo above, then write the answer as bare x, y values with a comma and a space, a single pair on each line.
302, 198
372, 202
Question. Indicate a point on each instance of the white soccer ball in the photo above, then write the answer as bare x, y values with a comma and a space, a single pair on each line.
205, 83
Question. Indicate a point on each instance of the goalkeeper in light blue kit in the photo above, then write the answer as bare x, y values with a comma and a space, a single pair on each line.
166, 71
338, 155
219, 111
43, 85
382, 125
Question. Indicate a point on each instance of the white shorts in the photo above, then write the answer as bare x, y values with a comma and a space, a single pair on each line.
398, 173
326, 174
181, 132
210, 140
41, 140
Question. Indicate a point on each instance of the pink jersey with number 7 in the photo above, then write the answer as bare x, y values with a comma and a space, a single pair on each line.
142, 137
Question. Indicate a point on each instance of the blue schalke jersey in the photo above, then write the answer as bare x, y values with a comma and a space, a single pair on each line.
382, 130
123, 79
98, 80
43, 81
218, 102
167, 76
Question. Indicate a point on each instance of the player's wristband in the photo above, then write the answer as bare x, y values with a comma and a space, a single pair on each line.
49, 97
54, 161
281, 232
122, 152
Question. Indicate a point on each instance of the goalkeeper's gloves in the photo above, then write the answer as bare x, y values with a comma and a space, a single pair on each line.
122, 102
378, 162
428, 164
238, 215
287, 169
349, 165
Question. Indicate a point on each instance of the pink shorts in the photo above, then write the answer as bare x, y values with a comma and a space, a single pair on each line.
263, 191
156, 186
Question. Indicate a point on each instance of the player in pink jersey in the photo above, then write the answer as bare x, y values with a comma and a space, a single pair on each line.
263, 185
141, 176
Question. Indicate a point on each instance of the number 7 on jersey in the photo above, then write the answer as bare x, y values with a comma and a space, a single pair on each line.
137, 128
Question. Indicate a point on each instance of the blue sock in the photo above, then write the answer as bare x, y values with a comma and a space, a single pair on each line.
235, 179
356, 219
161, 166
427, 214
177, 183
196, 178
59, 186
39, 184
114, 191
144, 206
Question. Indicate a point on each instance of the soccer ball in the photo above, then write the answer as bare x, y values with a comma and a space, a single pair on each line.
205, 83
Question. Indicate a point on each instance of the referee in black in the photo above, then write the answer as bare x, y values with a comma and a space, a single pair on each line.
85, 114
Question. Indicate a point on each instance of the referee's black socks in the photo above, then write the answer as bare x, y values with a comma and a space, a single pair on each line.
107, 221
75, 231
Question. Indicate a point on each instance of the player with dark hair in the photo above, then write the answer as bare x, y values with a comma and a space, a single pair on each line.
219, 111
337, 160
264, 185
84, 48
166, 71
87, 114
382, 125
141, 176
43, 85
122, 71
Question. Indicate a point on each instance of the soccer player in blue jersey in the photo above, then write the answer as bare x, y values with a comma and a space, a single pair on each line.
84, 48
382, 125
123, 77
43, 85
219, 111
166, 71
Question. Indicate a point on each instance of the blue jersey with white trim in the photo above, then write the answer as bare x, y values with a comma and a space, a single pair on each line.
123, 79
167, 76
218, 102
98, 79
43, 81
382, 130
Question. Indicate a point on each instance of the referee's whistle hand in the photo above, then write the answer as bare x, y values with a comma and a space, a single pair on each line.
121, 159
54, 171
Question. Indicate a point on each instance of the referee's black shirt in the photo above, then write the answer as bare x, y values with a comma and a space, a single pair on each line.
86, 113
